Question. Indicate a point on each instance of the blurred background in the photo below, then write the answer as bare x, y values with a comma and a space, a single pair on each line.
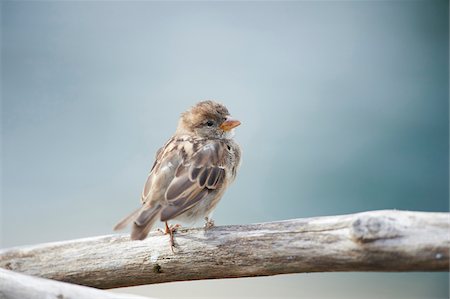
344, 108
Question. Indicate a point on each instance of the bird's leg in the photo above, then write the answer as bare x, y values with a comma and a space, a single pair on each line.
209, 223
170, 230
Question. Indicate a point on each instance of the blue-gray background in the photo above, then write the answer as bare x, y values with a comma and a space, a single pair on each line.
344, 108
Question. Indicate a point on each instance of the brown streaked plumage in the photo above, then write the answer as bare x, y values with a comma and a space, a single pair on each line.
191, 171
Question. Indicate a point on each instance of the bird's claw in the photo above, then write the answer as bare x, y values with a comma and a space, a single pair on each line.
208, 223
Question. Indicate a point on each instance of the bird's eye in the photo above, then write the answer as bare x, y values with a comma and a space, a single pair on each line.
209, 123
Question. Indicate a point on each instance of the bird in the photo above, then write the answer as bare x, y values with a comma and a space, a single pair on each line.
190, 173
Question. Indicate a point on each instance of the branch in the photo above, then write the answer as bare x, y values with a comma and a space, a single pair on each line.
14, 285
369, 241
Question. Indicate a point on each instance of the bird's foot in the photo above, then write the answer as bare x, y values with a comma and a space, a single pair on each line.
208, 223
170, 230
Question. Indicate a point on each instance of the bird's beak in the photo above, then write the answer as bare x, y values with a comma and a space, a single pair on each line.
229, 124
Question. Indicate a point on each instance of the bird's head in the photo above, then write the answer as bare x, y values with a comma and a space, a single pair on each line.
207, 119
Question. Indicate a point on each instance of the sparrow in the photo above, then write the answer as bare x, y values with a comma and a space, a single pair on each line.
191, 171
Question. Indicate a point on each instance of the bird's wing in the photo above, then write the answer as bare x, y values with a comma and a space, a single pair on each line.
195, 177
167, 159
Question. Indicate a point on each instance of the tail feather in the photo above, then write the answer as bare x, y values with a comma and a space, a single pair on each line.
144, 222
124, 222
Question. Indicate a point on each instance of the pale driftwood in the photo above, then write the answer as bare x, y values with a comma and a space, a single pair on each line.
14, 285
369, 241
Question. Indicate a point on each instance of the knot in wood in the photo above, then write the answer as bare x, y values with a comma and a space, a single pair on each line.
371, 228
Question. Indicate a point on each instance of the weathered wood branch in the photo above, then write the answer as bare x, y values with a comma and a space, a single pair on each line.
14, 285
369, 241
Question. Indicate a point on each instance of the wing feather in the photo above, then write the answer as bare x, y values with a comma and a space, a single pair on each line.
182, 204
149, 182
195, 178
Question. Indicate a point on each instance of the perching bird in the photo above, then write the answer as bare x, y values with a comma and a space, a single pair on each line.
191, 172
